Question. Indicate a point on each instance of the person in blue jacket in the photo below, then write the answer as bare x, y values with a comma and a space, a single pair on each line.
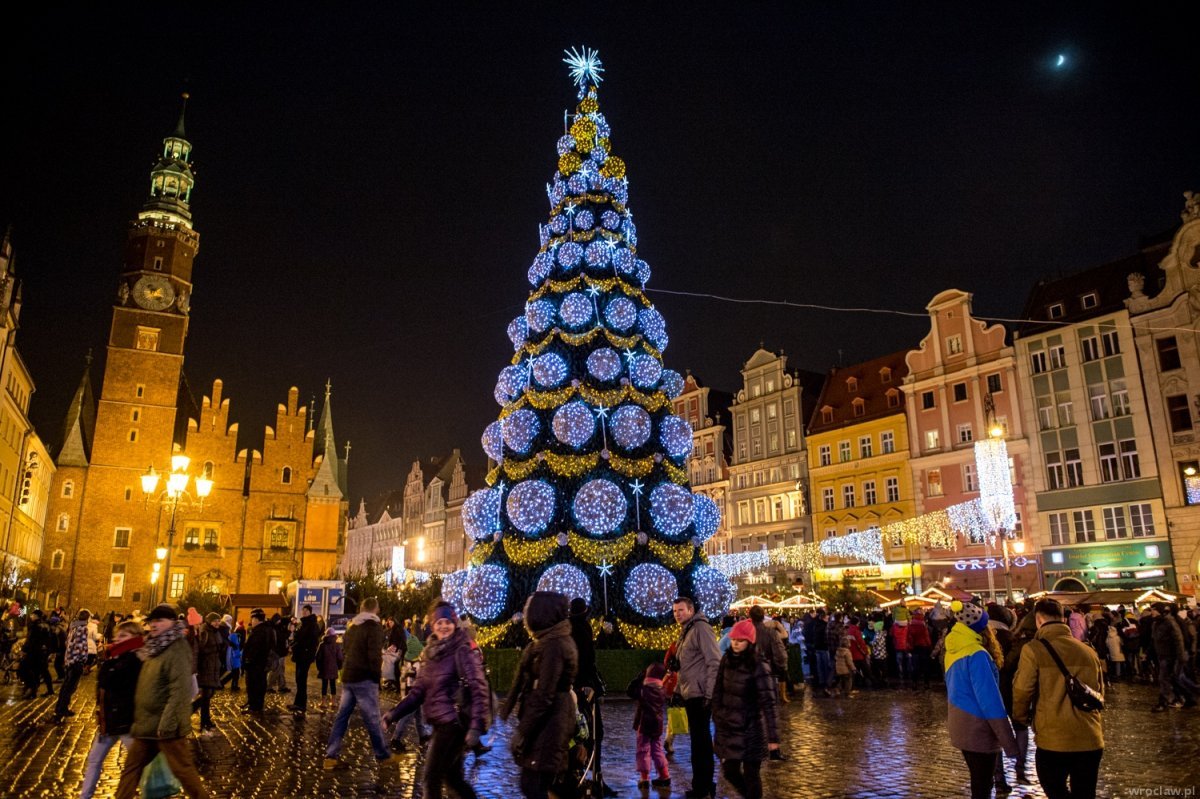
977, 721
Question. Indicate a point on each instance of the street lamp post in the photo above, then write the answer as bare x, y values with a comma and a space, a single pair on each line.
1018, 547
171, 496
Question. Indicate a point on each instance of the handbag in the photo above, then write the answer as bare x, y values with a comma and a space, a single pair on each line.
157, 780
1082, 696
677, 722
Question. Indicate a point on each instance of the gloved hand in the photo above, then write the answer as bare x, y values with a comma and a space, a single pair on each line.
473, 736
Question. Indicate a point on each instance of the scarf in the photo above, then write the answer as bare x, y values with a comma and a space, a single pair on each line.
438, 648
156, 644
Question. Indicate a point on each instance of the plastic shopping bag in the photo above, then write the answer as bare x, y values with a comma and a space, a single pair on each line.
157, 780
677, 723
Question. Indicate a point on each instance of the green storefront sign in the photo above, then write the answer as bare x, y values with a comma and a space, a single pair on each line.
1127, 564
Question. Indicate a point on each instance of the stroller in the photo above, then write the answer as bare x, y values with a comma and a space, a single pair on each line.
582, 778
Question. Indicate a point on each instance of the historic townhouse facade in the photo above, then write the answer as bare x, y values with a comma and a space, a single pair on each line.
418, 527
961, 380
26, 470
858, 466
1099, 501
708, 466
1164, 307
273, 515
768, 493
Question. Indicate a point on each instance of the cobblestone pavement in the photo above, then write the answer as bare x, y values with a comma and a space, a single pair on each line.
878, 744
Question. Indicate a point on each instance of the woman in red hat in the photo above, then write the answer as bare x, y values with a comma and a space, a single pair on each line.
743, 712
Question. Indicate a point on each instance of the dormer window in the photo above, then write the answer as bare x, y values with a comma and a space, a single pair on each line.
827, 415
1089, 300
1056, 311
860, 407
885, 375
893, 398
852, 384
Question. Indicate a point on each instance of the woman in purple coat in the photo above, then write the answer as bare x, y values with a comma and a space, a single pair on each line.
449, 667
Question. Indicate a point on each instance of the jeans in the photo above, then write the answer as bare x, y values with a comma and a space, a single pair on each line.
302, 667
178, 754
364, 695
823, 668
70, 683
1172, 679
1055, 769
699, 717
101, 745
744, 776
904, 665
982, 768
444, 762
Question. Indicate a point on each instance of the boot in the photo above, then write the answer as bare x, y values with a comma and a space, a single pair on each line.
783, 697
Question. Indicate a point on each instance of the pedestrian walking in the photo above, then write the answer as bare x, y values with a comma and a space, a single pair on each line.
455, 694
770, 648
256, 655
162, 707
920, 645
1175, 688
277, 657
210, 661
74, 660
649, 723
902, 648
879, 653
541, 694
1026, 630
329, 663
116, 687
743, 711
360, 684
977, 722
816, 636
589, 687
304, 652
699, 661
1070, 739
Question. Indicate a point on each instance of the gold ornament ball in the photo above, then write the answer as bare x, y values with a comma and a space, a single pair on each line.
613, 168
589, 106
568, 163
583, 128
585, 145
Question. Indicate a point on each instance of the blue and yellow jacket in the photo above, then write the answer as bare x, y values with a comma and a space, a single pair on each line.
976, 718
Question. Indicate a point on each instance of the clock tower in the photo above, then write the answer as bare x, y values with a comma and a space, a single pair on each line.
135, 417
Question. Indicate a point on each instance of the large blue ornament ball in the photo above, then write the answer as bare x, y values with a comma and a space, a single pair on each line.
569, 254
493, 441
672, 383
540, 269
510, 384
576, 309
539, 315
623, 260
645, 371
642, 272
676, 436
596, 254
557, 192
481, 513
706, 517
577, 184
574, 423
670, 509
452, 589
520, 428
603, 131
518, 331
630, 426
485, 591
610, 219
621, 313
568, 580
600, 506
713, 591
549, 369
530, 506
604, 364
566, 144
651, 589
584, 220
654, 327
558, 223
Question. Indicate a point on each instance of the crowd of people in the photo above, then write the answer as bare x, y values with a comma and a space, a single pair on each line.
722, 688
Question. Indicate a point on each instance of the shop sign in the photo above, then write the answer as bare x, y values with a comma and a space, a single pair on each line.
1144, 574
862, 571
987, 564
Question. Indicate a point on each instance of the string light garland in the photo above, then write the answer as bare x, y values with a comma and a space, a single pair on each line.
491, 635
640, 637
577, 339
479, 554
612, 550
866, 546
995, 484
674, 557
528, 553
544, 400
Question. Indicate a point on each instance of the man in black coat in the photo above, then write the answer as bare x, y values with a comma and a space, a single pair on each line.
276, 666
304, 652
35, 666
256, 652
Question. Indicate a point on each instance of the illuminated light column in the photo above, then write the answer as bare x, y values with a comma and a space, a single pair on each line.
995, 494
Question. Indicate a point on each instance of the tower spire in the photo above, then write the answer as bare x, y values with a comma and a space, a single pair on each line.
171, 178
180, 132
330, 480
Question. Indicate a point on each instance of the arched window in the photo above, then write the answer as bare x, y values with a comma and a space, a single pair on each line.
64, 522
56, 560
208, 469
68, 488
287, 475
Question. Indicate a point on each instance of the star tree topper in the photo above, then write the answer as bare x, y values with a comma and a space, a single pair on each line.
585, 66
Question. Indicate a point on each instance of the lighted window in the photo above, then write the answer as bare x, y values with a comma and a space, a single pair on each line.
1141, 520
1120, 398
1152, 551
1066, 409
1098, 400
933, 479
932, 439
116, 581
177, 584
791, 438
211, 537
755, 416
1045, 411
191, 537
772, 410
1189, 475
891, 488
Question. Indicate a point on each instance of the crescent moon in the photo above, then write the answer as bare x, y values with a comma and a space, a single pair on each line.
1062, 59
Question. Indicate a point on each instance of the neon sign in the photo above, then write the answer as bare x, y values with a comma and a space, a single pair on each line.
987, 564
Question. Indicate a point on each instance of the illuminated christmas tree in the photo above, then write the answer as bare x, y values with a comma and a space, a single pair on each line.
590, 496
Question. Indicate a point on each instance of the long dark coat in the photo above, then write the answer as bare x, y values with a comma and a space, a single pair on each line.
743, 707
329, 657
210, 657
541, 691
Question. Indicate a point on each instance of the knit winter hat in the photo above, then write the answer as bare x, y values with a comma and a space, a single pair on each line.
193, 617
970, 614
444, 611
211, 617
743, 630
656, 671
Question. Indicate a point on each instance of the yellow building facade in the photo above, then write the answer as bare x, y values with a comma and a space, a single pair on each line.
858, 455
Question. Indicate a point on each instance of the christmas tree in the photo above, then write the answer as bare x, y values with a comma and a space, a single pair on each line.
590, 494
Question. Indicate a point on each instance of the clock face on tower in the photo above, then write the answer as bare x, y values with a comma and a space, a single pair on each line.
154, 293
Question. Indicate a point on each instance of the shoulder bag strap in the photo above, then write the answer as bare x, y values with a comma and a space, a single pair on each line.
1061, 666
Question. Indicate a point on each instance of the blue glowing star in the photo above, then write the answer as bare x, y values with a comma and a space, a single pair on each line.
585, 66
636, 486
605, 568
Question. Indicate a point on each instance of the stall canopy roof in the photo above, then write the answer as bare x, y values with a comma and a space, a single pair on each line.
1137, 596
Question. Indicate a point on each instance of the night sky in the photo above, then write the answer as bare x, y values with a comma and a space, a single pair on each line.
369, 184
